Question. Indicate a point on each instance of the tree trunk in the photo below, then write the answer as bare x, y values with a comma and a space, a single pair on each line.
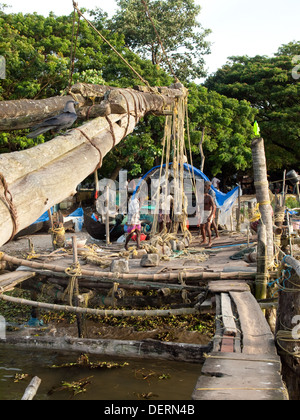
33, 180
94, 101
201, 150
262, 192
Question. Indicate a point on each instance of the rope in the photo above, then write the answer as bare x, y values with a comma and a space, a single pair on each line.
287, 336
58, 237
94, 145
113, 48
148, 15
73, 271
111, 130
73, 48
8, 200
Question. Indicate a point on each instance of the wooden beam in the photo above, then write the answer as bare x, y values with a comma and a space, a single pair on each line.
9, 280
227, 316
28, 179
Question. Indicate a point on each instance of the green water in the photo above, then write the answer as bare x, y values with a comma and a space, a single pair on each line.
176, 382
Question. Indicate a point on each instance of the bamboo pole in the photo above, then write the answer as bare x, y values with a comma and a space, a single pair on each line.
99, 312
132, 276
76, 287
262, 193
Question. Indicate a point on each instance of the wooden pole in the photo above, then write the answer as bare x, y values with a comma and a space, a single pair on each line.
238, 212
288, 328
32, 389
107, 236
76, 288
262, 193
262, 270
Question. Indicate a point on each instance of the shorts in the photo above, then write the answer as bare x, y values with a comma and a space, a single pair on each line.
132, 228
205, 217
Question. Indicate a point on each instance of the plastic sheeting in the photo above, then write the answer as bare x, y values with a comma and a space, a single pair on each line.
224, 202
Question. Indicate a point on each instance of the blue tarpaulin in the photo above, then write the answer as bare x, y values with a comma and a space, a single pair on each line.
223, 201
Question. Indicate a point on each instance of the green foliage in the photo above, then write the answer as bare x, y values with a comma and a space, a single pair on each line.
267, 83
176, 22
228, 130
37, 51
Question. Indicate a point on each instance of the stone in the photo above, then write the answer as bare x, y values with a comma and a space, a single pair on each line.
119, 266
150, 260
138, 254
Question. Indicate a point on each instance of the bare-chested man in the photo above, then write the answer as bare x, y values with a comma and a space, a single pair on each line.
209, 211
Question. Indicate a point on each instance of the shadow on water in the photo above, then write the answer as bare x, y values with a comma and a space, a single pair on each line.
140, 379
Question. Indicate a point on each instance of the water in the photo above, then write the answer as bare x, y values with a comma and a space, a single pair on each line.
177, 379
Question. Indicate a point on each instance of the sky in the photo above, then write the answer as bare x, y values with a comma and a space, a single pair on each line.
239, 27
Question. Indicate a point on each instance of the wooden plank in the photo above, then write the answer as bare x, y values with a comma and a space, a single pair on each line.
236, 377
9, 280
221, 286
227, 315
257, 335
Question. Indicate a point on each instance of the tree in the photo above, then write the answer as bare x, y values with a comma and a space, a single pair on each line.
37, 51
268, 84
228, 131
176, 23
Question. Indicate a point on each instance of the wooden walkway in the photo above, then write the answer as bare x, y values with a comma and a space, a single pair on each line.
244, 364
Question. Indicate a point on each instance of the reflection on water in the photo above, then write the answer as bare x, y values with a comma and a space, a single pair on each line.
162, 380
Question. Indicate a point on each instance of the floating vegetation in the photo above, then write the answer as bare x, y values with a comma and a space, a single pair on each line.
84, 362
20, 377
146, 374
76, 387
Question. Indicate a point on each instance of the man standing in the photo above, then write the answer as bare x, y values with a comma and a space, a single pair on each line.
209, 210
133, 221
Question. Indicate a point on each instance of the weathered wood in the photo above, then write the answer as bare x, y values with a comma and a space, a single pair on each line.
29, 184
32, 389
227, 315
192, 353
295, 264
9, 280
262, 192
206, 276
232, 376
94, 101
227, 286
257, 335
288, 330
24, 113
261, 281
